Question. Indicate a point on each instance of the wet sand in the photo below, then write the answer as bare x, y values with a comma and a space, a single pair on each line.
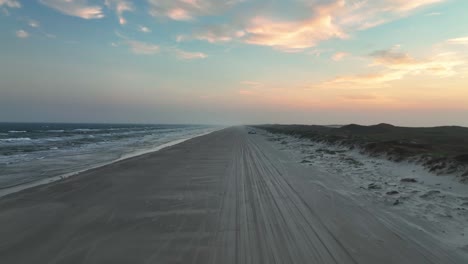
226, 197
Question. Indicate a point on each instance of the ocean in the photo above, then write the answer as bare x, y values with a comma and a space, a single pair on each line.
32, 152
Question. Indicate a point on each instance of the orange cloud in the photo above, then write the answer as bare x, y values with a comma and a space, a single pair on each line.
339, 56
291, 36
328, 20
459, 41
179, 14
396, 65
440, 64
371, 80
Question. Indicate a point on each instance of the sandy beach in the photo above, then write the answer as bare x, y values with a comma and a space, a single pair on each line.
225, 197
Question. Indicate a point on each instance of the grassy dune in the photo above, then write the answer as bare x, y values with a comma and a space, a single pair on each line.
440, 149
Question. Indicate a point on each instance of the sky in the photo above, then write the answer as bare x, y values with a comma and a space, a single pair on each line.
403, 62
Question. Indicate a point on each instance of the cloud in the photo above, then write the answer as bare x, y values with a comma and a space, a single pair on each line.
441, 64
137, 47
252, 84
33, 23
10, 3
185, 10
145, 48
144, 29
215, 34
359, 97
459, 41
142, 48
408, 5
391, 56
395, 65
179, 14
185, 55
22, 34
291, 36
77, 8
246, 92
364, 80
5, 4
252, 88
321, 20
364, 14
120, 6
285, 35
339, 56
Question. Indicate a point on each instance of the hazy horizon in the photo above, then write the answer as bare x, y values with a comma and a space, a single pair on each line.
219, 124
231, 62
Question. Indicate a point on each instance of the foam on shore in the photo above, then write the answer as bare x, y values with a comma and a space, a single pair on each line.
27, 185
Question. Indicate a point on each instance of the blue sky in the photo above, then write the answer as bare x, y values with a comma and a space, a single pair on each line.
234, 61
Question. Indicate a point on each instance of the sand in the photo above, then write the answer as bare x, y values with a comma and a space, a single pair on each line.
438, 203
226, 197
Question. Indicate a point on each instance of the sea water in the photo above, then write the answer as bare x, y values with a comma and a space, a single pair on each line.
35, 151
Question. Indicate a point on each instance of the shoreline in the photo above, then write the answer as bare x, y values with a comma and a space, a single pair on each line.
23, 186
